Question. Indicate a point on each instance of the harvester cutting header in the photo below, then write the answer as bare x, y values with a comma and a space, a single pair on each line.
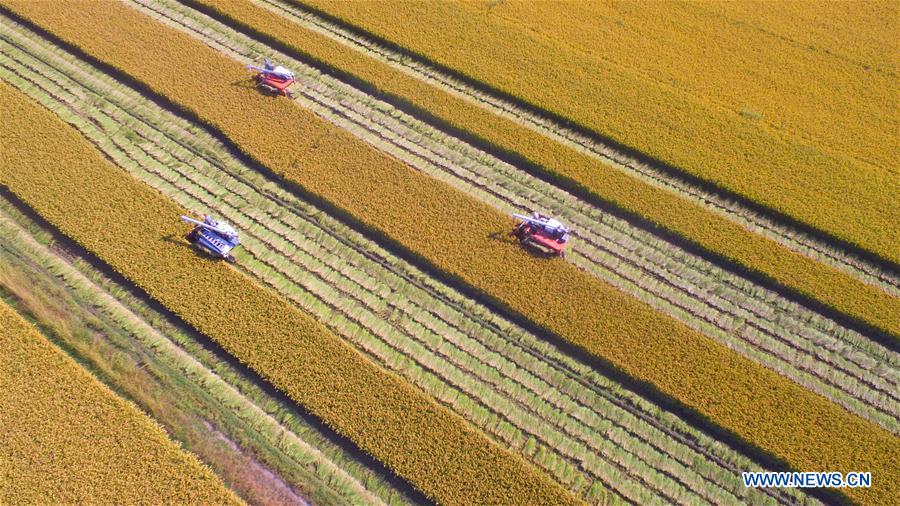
542, 232
273, 79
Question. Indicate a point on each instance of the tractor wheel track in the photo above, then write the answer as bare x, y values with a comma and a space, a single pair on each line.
888, 408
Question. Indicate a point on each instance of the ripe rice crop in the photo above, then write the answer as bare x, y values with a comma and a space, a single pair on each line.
68, 439
757, 405
710, 50
196, 185
832, 287
599, 83
92, 201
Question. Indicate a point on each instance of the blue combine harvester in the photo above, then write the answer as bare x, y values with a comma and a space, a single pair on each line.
216, 237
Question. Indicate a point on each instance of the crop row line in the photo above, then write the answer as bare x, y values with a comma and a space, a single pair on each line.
847, 387
729, 207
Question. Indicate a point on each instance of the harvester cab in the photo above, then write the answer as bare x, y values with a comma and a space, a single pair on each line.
542, 232
273, 79
216, 237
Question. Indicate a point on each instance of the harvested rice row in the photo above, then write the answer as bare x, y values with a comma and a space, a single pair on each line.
90, 200
67, 438
90, 107
389, 197
845, 196
713, 233
851, 370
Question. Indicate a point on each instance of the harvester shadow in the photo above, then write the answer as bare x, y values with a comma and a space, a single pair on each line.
180, 241
250, 84
509, 239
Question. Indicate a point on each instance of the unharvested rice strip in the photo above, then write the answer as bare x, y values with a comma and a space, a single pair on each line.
825, 385
672, 281
390, 418
78, 278
287, 33
301, 239
238, 51
782, 232
774, 24
67, 438
681, 364
628, 117
360, 321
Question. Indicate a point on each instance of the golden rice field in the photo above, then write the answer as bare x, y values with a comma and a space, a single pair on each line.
780, 154
385, 417
67, 438
709, 230
732, 331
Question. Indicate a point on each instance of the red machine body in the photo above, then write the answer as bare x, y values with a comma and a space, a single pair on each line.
274, 84
272, 78
542, 232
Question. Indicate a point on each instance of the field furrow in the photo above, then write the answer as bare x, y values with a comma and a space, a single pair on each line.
296, 242
814, 351
386, 196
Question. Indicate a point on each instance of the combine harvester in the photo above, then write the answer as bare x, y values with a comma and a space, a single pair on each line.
543, 233
216, 237
273, 79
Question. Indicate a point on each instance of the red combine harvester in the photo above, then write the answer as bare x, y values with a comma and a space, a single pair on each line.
542, 232
273, 79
